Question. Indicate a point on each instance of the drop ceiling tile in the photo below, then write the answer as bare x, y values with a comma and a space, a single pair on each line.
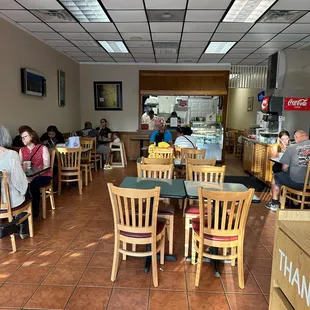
20, 16
37, 27
250, 61
236, 56
266, 50
298, 45
231, 61
36, 5
99, 27
157, 15
142, 50
180, 60
59, 43
61, 16
204, 15
132, 27
121, 55
206, 60
145, 60
193, 43
305, 47
289, 37
244, 50
144, 35
9, 5
166, 56
166, 27
139, 43
292, 5
208, 4
102, 54
84, 58
75, 54
144, 56
77, 36
268, 28
91, 48
166, 36
49, 35
123, 4
257, 37
165, 4
163, 60
199, 27
189, 56
191, 50
275, 44
66, 27
103, 59
234, 27
90, 43
128, 16
212, 56
108, 36
305, 19
227, 37
258, 56
68, 49
125, 60
298, 28
191, 36
264, 63
249, 44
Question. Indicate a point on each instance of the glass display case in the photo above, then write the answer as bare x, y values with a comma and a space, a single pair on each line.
209, 136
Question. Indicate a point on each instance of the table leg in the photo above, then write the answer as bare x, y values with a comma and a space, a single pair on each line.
141, 146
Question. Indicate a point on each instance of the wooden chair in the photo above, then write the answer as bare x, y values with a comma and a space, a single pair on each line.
165, 210
118, 148
221, 225
209, 174
158, 152
199, 162
192, 153
156, 161
86, 143
301, 197
136, 222
69, 167
230, 140
95, 157
47, 191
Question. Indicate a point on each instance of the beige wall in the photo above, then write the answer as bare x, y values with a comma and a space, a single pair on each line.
18, 50
128, 119
237, 115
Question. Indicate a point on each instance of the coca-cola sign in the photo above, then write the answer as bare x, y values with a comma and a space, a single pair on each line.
265, 104
296, 104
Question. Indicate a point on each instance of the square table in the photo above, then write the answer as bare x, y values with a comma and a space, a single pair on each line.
275, 160
33, 171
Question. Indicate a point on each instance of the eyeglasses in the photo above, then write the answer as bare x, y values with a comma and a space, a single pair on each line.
24, 137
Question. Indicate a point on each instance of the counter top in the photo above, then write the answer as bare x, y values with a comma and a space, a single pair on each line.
258, 142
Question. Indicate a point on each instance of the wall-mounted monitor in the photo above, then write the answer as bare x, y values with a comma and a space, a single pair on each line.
33, 82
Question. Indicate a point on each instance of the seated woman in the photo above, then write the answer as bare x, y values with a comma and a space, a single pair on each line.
10, 162
39, 156
52, 136
104, 138
280, 147
184, 138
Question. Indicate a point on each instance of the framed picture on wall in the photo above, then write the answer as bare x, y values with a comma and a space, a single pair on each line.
108, 96
61, 88
250, 103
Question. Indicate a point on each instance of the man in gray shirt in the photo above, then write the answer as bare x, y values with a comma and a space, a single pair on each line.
294, 167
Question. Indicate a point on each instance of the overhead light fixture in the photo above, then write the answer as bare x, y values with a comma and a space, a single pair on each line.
114, 46
247, 11
219, 47
86, 11
136, 38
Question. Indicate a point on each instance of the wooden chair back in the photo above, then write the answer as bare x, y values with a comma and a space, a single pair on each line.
192, 153
155, 171
156, 161
227, 212
52, 159
307, 180
135, 211
159, 152
201, 162
87, 143
69, 159
206, 173
5, 199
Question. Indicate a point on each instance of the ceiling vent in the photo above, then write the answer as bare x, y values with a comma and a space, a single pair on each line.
54, 16
165, 16
166, 47
274, 16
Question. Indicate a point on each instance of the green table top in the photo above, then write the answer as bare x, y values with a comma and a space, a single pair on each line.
172, 188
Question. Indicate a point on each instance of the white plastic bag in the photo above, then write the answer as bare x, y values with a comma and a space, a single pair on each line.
74, 142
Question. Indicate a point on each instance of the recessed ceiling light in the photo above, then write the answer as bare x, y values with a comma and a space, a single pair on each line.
86, 11
166, 15
114, 46
136, 38
247, 11
219, 47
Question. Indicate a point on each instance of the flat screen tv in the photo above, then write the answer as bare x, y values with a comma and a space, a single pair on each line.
33, 82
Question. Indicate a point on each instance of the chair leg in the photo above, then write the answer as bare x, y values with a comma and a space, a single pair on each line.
52, 200
59, 183
187, 229
115, 258
199, 265
43, 197
30, 222
233, 252
13, 242
90, 175
171, 225
193, 259
240, 266
162, 251
86, 176
80, 185
154, 265
95, 164
124, 248
134, 247
100, 162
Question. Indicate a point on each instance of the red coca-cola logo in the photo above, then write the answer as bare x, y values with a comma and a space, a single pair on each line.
265, 104
299, 104
302, 102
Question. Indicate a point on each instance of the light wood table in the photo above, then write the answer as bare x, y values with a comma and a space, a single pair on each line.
290, 287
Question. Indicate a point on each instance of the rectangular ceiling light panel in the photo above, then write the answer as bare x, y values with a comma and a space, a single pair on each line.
114, 46
219, 47
247, 11
86, 11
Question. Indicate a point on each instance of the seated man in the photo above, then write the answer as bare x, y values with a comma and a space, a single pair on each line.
294, 167
161, 135
88, 131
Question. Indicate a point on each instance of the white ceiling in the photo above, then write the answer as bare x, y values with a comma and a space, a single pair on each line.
200, 23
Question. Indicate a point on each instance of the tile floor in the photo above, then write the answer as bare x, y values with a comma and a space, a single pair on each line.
68, 262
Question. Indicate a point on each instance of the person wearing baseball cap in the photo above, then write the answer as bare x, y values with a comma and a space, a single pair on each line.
161, 135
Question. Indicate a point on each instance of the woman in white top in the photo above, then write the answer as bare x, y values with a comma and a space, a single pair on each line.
184, 138
9, 161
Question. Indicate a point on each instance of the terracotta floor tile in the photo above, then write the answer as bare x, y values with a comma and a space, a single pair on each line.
50, 297
260, 266
30, 274
170, 280
101, 259
105, 224
270, 250
65, 233
267, 298
256, 251
75, 258
96, 277
43, 258
83, 245
227, 268
91, 233
263, 282
15, 295
94, 298
207, 283
106, 246
133, 263
6, 271
245, 302
10, 258
129, 299
64, 275
130, 278
160, 300
231, 284
207, 301
30, 243
56, 244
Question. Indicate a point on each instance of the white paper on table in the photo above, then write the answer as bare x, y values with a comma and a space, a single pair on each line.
173, 121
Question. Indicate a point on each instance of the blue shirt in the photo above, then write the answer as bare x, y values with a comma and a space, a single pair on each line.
167, 136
